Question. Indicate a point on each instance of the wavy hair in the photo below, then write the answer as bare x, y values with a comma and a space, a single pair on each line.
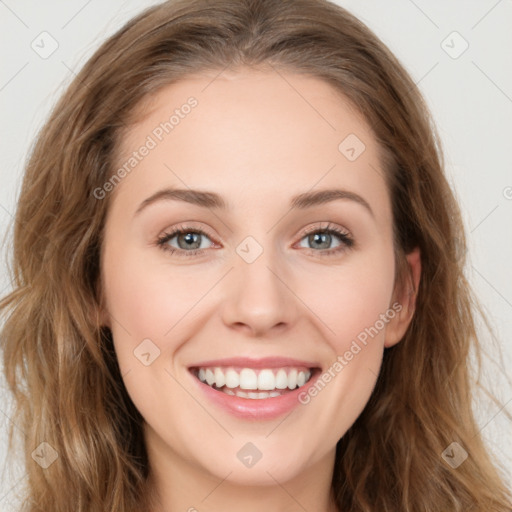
59, 361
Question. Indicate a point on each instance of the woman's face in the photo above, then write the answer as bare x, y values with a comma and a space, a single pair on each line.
252, 294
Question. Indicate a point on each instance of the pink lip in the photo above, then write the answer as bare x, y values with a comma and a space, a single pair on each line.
256, 409
265, 362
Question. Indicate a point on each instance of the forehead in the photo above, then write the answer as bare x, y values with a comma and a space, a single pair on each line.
250, 132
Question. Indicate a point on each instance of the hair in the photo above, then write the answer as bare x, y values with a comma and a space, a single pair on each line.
59, 362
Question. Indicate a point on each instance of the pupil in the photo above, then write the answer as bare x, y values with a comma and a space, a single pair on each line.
318, 237
191, 238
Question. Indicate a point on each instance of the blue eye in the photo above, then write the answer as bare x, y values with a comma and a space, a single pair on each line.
325, 236
190, 241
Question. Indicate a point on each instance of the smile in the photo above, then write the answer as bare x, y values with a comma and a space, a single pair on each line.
253, 383
254, 389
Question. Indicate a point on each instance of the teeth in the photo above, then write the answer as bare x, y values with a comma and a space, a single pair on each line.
257, 395
232, 378
251, 394
210, 377
248, 380
266, 380
281, 380
292, 379
220, 378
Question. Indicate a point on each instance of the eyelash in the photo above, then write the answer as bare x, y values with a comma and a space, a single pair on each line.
347, 241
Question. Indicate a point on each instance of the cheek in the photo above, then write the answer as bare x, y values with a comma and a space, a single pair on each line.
146, 303
148, 308
354, 309
351, 300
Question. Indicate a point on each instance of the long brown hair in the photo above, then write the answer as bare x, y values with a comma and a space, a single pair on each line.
59, 362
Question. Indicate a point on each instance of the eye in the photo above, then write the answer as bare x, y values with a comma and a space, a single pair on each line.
192, 241
322, 238
189, 240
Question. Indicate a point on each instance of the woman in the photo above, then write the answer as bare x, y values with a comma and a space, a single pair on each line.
177, 340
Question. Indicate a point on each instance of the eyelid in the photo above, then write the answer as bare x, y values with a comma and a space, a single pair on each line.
184, 227
328, 227
189, 226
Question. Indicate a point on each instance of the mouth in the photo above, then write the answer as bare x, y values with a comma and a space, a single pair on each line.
254, 383
255, 389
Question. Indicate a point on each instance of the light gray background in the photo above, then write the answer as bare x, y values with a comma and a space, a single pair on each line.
470, 97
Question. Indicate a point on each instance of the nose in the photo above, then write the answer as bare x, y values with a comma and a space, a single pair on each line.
259, 297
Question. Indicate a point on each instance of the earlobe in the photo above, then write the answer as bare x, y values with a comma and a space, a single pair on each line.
98, 316
406, 297
102, 317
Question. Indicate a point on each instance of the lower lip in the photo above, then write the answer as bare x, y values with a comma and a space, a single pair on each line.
256, 408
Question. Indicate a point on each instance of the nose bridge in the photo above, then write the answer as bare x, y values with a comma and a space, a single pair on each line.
257, 295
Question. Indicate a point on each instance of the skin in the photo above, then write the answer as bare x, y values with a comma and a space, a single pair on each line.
257, 138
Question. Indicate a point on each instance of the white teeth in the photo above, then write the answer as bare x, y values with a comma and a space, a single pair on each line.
266, 380
232, 379
220, 378
254, 380
257, 395
292, 379
281, 380
252, 394
210, 377
248, 379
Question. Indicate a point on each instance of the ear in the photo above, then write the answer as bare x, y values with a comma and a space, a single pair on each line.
100, 314
104, 317
405, 294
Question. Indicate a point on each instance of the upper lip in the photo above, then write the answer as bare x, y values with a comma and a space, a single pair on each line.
248, 362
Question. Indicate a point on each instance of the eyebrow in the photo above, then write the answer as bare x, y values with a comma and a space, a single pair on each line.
207, 199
